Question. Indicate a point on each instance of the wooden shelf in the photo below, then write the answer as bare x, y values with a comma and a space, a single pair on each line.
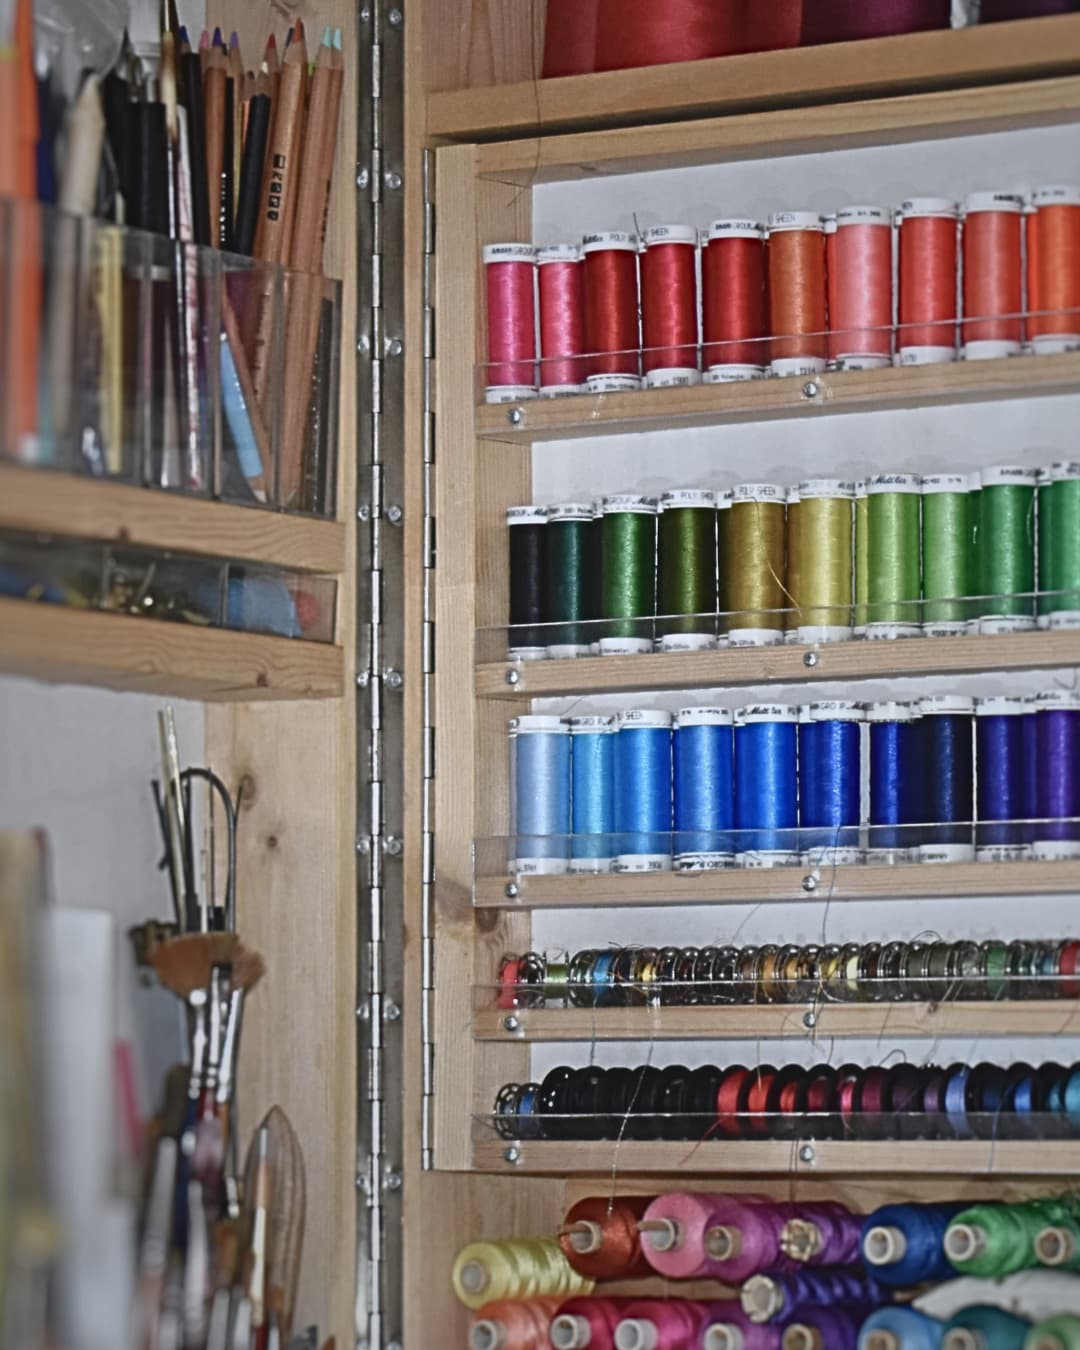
587, 415
42, 502
755, 886
1026, 50
748, 1022
124, 652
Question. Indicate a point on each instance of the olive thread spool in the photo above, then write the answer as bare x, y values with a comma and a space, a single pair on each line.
686, 571
1059, 545
820, 561
1006, 548
754, 565
628, 567
927, 248
1053, 289
946, 734
724, 502
793, 581
540, 803
894, 582
527, 538
992, 276
567, 599
861, 562
948, 553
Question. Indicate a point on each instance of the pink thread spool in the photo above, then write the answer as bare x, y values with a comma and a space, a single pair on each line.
858, 260
587, 1323
510, 278
661, 1324
560, 273
673, 1234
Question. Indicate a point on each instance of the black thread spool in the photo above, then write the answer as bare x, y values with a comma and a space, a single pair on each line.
527, 529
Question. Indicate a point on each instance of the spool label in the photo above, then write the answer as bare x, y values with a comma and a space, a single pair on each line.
890, 712
1000, 706
654, 718
612, 384
1008, 475
758, 492
1063, 470
688, 642
733, 374
863, 215
1005, 623
946, 703
526, 515
759, 858
994, 853
766, 712
688, 497
1057, 700
703, 862
826, 487
609, 239
671, 234
513, 252
934, 483
597, 724
1060, 194
704, 717
796, 220
836, 709
642, 862
623, 502
570, 511
624, 646
737, 229
558, 253
894, 482
946, 853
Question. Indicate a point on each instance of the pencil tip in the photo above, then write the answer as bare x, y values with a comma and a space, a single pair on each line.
299, 32
327, 36
204, 41
184, 34
339, 41
271, 42
289, 37
219, 41
234, 40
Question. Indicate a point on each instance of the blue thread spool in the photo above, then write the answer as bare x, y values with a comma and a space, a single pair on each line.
704, 759
894, 780
905, 1244
643, 809
1057, 737
948, 781
985, 1327
900, 1329
766, 785
830, 798
592, 793
1000, 779
540, 810
1031, 769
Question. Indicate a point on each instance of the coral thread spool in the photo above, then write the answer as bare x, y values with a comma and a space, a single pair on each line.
735, 316
611, 312
1053, 269
859, 255
993, 291
928, 281
560, 274
510, 281
796, 284
669, 306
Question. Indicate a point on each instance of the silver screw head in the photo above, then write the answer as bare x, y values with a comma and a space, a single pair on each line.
511, 890
363, 512
392, 1012
394, 18
810, 659
511, 1023
395, 347
809, 1020
393, 679
513, 677
394, 513
809, 883
515, 416
811, 389
392, 180
807, 1154
512, 1154
364, 176
392, 1181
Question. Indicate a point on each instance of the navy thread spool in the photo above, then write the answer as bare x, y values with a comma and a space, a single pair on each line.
894, 769
766, 785
643, 807
830, 788
948, 784
1057, 736
526, 527
905, 1244
540, 810
999, 773
592, 793
567, 584
900, 1328
1031, 768
704, 775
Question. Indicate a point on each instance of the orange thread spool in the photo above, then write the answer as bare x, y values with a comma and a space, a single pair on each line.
513, 1324
993, 292
601, 1240
858, 254
1053, 269
928, 256
796, 269
734, 302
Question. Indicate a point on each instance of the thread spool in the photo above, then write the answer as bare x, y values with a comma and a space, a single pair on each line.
894, 771
985, 1328
793, 564
900, 1328
861, 562
510, 282
628, 565
724, 502
570, 37
999, 754
797, 293
766, 1298
686, 570
928, 281
592, 793
824, 1327
488, 1272
949, 556
860, 289
527, 538
766, 812
1058, 1246
998, 11
1057, 733
560, 272
600, 1237
643, 805
1059, 545
652, 1324
743, 1238
820, 560
823, 1234
682, 30
729, 1328
848, 20
949, 785
512, 1324
1057, 1333
704, 784
1006, 548
992, 285
990, 1241
673, 1232
734, 301
567, 589
611, 312
669, 306
754, 565
540, 757
1053, 269
894, 547
829, 780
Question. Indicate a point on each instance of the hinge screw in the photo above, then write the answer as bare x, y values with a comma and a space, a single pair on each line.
394, 347
513, 677
392, 180
512, 1154
392, 1012
809, 1020
363, 177
511, 891
363, 845
811, 389
392, 1181
809, 883
363, 1012
394, 18
363, 512
807, 1154
511, 1023
363, 679
810, 659
515, 416
392, 845
393, 679
394, 513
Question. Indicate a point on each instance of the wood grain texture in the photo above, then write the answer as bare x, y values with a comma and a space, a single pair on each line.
468, 43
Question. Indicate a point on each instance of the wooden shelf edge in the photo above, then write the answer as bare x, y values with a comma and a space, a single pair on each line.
746, 886
1042, 1017
43, 502
730, 667
588, 415
124, 652
1027, 49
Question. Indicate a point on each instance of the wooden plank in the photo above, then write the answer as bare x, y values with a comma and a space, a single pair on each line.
1030, 49
749, 886
465, 43
887, 121
584, 415
738, 667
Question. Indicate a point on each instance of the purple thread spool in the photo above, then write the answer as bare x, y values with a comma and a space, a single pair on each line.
823, 1234
729, 1328
997, 11
823, 1328
1057, 740
766, 1298
743, 1239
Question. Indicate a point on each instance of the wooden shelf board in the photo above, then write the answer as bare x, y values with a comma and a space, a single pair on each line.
741, 886
587, 415
1049, 1017
838, 1157
124, 652
730, 667
1029, 49
41, 502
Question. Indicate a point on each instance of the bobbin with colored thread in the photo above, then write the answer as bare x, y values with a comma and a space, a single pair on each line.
560, 273
567, 601
704, 788
830, 772
754, 565
526, 529
820, 559
1006, 548
999, 756
949, 784
734, 302
949, 552
628, 567
992, 278
894, 775
540, 804
510, 278
611, 312
1053, 269
1059, 545
669, 306
797, 293
860, 288
643, 797
686, 570
929, 278
1056, 832
592, 793
894, 583
766, 793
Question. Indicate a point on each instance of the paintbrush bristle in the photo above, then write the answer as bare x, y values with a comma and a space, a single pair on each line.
248, 969
184, 964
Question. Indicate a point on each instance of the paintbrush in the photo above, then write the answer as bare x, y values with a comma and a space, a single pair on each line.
248, 970
154, 1248
255, 1283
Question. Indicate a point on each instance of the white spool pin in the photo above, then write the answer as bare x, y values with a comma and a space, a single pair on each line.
779, 223
623, 503
669, 377
607, 241
991, 349
1056, 194
907, 353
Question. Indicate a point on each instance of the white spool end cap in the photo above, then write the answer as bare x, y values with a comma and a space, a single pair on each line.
733, 373
672, 377
570, 1332
1055, 1246
797, 365
636, 1333
724, 1336
760, 1298
723, 1242
799, 1336
885, 1245
927, 356
990, 349
474, 1277
962, 1338
963, 1241
487, 1334
882, 1340
586, 1237
662, 1235
509, 393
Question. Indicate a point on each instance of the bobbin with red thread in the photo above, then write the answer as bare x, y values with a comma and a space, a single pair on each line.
1053, 269
992, 275
734, 302
510, 283
669, 306
797, 293
859, 263
560, 278
928, 281
612, 340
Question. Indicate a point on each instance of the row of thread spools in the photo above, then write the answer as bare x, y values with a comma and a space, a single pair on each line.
897, 555
950, 779
855, 290
813, 1276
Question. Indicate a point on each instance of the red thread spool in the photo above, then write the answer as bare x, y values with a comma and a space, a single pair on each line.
734, 310
611, 312
601, 1240
928, 277
587, 1323
669, 306
1053, 269
727, 1101
561, 285
570, 37
796, 272
859, 261
660, 1324
643, 33
757, 1123
993, 294
510, 277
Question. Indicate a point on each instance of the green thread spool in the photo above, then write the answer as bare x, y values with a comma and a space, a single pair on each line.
567, 601
983, 1326
755, 564
820, 582
948, 552
628, 566
894, 583
686, 570
1006, 548
723, 519
596, 575
1058, 1244
862, 558
991, 1241
1057, 1333
1059, 545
